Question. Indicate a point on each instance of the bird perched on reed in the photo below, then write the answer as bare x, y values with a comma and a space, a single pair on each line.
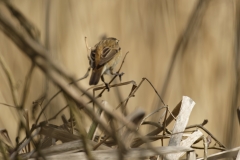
103, 58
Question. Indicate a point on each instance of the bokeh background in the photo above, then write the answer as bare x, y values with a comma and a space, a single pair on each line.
185, 48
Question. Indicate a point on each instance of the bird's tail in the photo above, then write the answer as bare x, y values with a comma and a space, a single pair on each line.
95, 76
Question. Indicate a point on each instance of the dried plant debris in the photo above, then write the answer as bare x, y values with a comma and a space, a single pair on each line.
6, 142
113, 133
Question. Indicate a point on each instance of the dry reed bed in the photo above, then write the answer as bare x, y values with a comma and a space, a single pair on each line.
120, 137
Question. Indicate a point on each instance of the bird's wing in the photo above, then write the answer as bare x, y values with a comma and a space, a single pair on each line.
107, 55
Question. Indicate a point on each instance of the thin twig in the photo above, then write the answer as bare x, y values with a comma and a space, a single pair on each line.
55, 116
157, 110
27, 141
203, 128
26, 86
55, 95
9, 105
217, 148
155, 91
45, 106
10, 79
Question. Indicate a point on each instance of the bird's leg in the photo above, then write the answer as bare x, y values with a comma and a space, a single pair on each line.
106, 84
117, 74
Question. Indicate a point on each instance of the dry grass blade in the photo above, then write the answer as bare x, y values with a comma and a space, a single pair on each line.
78, 116
10, 80
40, 57
238, 114
180, 125
136, 117
231, 153
192, 24
24, 144
94, 125
55, 95
137, 142
118, 128
8, 105
188, 142
205, 147
4, 154
55, 73
182, 120
238, 155
68, 147
58, 134
132, 154
26, 86
4, 138
209, 133
235, 97
27, 25
26, 116
191, 156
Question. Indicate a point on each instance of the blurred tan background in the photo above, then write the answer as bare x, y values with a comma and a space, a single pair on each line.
204, 69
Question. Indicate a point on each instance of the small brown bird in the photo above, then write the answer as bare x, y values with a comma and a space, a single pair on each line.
103, 58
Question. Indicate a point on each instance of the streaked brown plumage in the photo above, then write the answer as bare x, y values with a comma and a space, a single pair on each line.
103, 58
